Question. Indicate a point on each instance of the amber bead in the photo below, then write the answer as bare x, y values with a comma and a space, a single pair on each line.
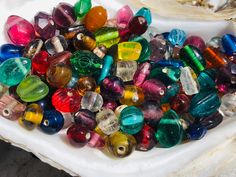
85, 84
214, 58
82, 41
180, 103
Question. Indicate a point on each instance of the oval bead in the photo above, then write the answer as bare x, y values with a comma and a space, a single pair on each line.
228, 105
40, 63
85, 84
142, 73
138, 25
229, 44
33, 48
82, 7
123, 16
180, 103
196, 41
10, 51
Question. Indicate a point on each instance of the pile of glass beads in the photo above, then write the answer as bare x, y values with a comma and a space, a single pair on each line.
114, 84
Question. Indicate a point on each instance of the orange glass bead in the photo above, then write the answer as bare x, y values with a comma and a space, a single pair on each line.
96, 18
213, 58
165, 107
85, 84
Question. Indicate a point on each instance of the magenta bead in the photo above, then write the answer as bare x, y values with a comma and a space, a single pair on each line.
142, 73
123, 16
110, 104
96, 141
196, 41
138, 25
19, 30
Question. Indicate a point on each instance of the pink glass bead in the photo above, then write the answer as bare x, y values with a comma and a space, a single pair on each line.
96, 141
44, 25
196, 41
110, 104
123, 16
19, 30
142, 73
158, 47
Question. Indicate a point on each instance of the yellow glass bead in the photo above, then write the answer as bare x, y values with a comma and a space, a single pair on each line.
26, 124
34, 114
129, 51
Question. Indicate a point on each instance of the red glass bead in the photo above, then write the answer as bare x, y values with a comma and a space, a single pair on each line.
40, 63
180, 103
66, 100
78, 134
138, 25
195, 41
19, 30
96, 141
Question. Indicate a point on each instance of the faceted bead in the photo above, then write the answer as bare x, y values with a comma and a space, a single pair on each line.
10, 108
66, 100
158, 48
40, 63
131, 120
62, 57
85, 84
228, 105
146, 139
153, 89
85, 118
177, 37
33, 48
119, 109
82, 41
129, 51
79, 134
112, 87
10, 51
180, 103
196, 41
142, 73
146, 13
206, 80
196, 132
120, 144
123, 16
211, 121
32, 89
33, 114
110, 104
106, 67
169, 131
138, 25
52, 122
214, 58
92, 101
96, 141
229, 44
44, 25
59, 75
204, 104
171, 91
56, 44
132, 96
126, 70
95, 18
82, 7
63, 15
19, 30
107, 121
14, 70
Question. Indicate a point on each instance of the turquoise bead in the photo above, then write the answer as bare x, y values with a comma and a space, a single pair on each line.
14, 70
169, 131
146, 13
206, 80
177, 37
131, 120
107, 63
171, 91
204, 104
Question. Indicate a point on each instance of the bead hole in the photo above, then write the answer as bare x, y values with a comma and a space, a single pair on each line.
121, 150
46, 123
6, 112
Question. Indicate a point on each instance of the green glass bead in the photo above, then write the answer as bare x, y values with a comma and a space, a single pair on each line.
82, 7
206, 80
169, 131
171, 91
131, 120
86, 63
13, 71
106, 34
32, 89
146, 49
204, 104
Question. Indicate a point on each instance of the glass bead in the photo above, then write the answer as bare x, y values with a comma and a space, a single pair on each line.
70, 32
158, 48
228, 105
129, 51
131, 120
95, 18
66, 100
169, 131
111, 23
146, 13
82, 41
196, 41
177, 37
58, 75
19, 30
229, 44
33, 48
68, 119
107, 121
206, 80
132, 96
52, 122
146, 139
32, 89
110, 104
216, 42
92, 101
10, 51
85, 118
106, 67
180, 103
14, 70
171, 91
26, 124
204, 104
86, 62
10, 108
44, 25
123, 16
82, 7
138, 25
120, 144
100, 51
153, 89
62, 57
106, 34
56, 44
119, 109
40, 63
142, 73
196, 132
211, 121
112, 87
33, 114
85, 84
63, 15
173, 63
78, 134
96, 141
126, 70
214, 58
46, 103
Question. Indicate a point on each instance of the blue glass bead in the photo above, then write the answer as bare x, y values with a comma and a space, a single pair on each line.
131, 120
52, 122
206, 80
146, 13
165, 35
177, 37
10, 51
171, 91
204, 104
107, 63
170, 63
229, 44
196, 132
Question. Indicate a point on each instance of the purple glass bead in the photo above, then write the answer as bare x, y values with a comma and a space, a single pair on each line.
196, 41
138, 25
63, 15
110, 104
158, 47
44, 25
85, 118
142, 73
123, 16
211, 121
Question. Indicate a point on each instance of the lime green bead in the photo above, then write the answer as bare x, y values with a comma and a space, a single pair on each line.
106, 34
82, 7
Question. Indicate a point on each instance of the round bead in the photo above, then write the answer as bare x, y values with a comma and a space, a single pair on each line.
79, 134
196, 132
146, 13
85, 84
180, 103
85, 118
196, 41
211, 121
110, 104
40, 63
138, 25
83, 42
177, 37
92, 101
